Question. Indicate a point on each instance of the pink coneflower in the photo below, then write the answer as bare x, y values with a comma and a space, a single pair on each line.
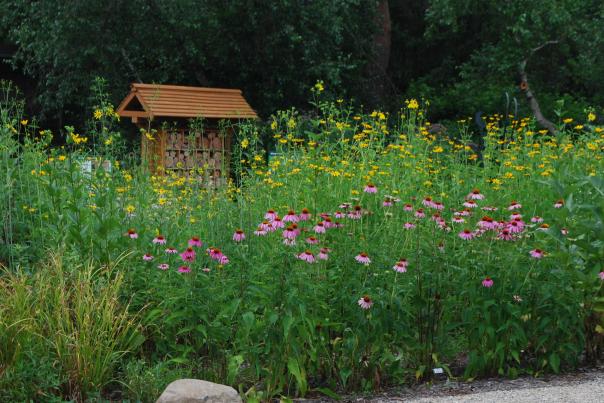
362, 258
196, 242
387, 202
217, 255
188, 255
290, 232
206, 270
515, 216
277, 223
487, 282
171, 251
163, 266
466, 234
458, 220
304, 215
159, 240
463, 213
537, 253
338, 225
559, 204
291, 217
470, 204
420, 213
441, 246
401, 266
184, 269
267, 226
475, 195
307, 256
319, 228
543, 227
514, 205
536, 219
564, 231
344, 206
339, 214
428, 202
270, 215
517, 298
147, 257
356, 213
260, 232
490, 208
132, 234
601, 275
439, 206
409, 225
238, 236
289, 242
408, 207
323, 254
515, 227
312, 240
365, 302
487, 222
506, 235
370, 188
436, 217
223, 259
328, 223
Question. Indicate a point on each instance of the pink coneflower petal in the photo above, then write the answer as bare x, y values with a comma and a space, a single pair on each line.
475, 195
291, 217
420, 213
260, 232
387, 203
289, 242
428, 202
543, 227
487, 282
537, 253
564, 231
536, 219
362, 258
323, 254
306, 256
458, 220
505, 235
319, 228
401, 266
132, 234
188, 255
238, 236
312, 240
270, 215
439, 206
470, 204
601, 275
559, 204
490, 208
163, 266
147, 257
159, 240
184, 269
466, 234
365, 302
171, 251
514, 205
370, 188
356, 213
408, 207
409, 225
278, 223
195, 242
305, 215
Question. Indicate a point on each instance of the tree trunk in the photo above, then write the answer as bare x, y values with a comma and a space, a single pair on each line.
532, 101
378, 66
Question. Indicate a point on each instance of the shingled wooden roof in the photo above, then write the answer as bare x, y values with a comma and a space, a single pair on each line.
154, 100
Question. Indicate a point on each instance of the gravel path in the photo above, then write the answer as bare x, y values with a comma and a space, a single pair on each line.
584, 386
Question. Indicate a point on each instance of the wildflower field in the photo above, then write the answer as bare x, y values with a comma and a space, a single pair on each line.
363, 253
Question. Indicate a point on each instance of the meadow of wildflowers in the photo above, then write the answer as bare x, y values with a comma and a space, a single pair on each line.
364, 253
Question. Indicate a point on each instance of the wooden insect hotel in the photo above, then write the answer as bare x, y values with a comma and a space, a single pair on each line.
170, 143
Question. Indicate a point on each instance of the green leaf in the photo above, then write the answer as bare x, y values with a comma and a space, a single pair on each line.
554, 362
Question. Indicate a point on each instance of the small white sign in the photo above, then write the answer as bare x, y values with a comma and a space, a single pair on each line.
437, 370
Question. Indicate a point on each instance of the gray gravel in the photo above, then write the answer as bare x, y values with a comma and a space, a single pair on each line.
584, 386
587, 392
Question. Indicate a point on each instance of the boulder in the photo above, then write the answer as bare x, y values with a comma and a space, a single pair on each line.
198, 391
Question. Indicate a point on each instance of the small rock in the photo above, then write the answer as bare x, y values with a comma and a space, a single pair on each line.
198, 391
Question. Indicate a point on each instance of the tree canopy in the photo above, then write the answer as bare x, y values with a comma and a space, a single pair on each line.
463, 55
